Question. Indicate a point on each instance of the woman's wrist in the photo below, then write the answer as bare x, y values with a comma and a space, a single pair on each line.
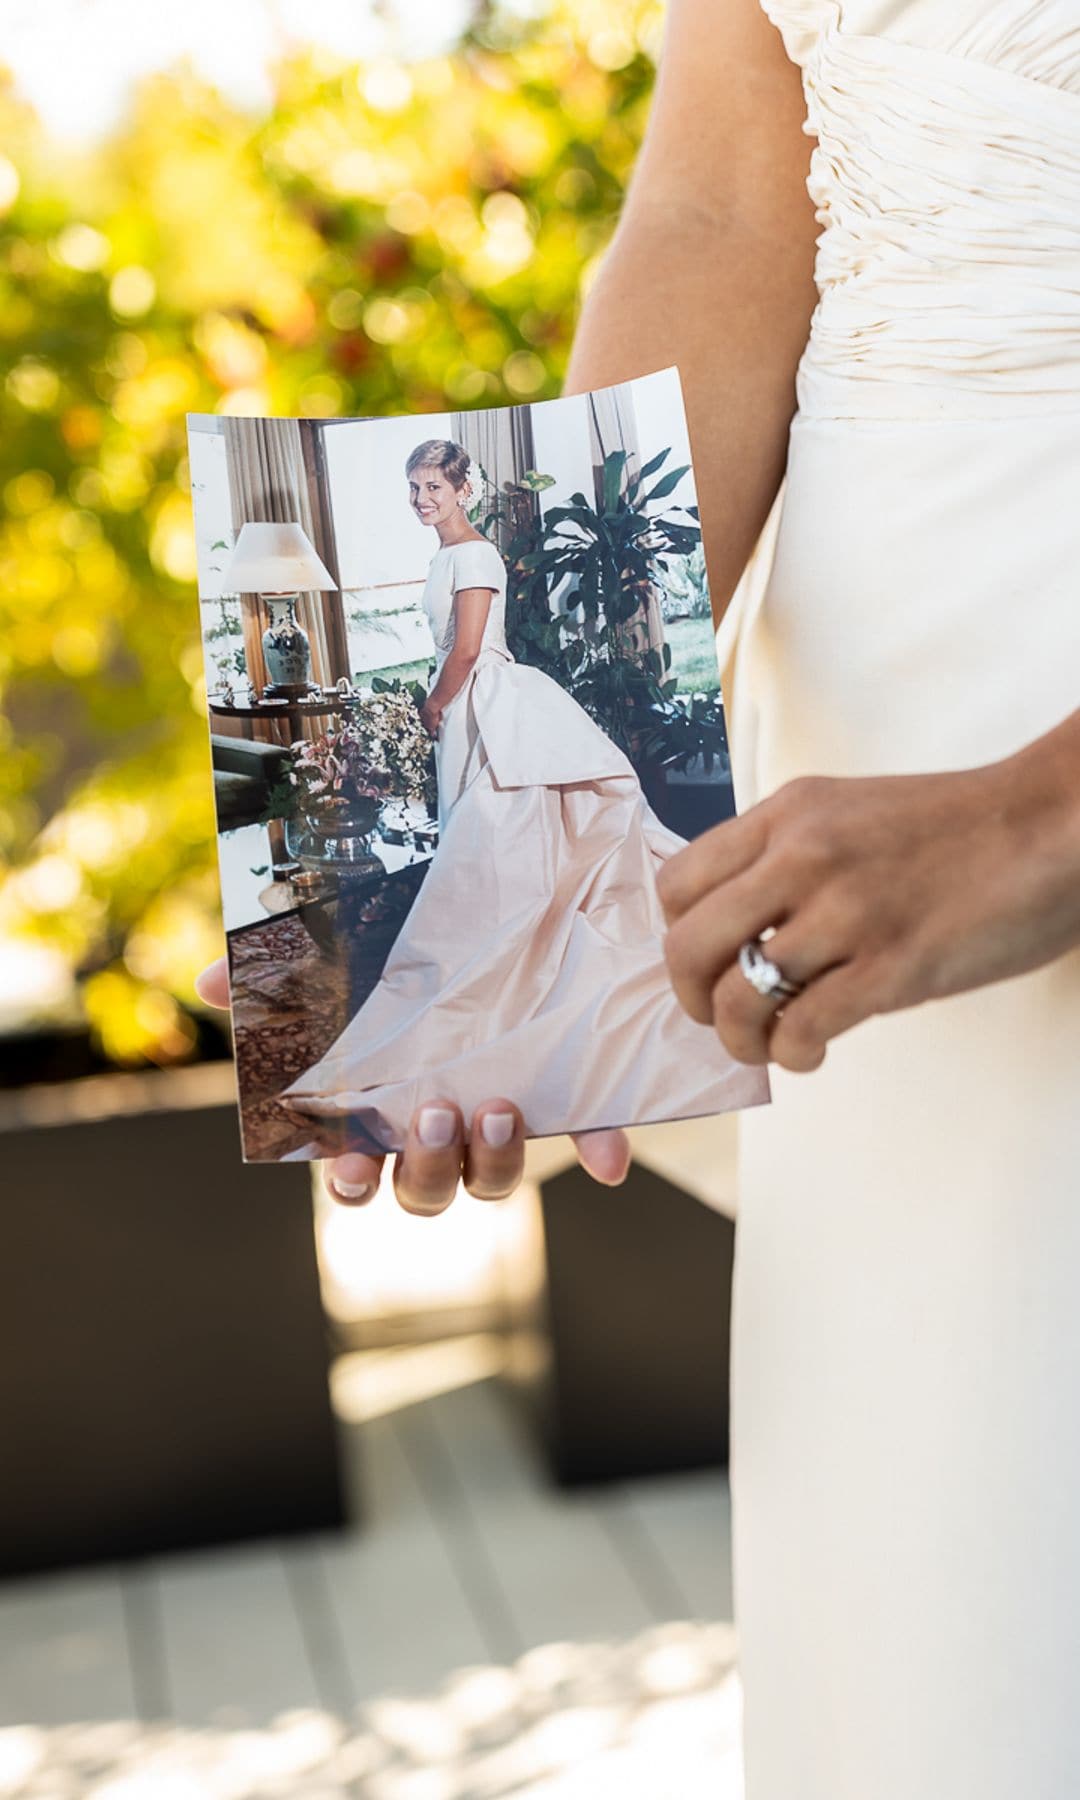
455, 672
1036, 794
1039, 787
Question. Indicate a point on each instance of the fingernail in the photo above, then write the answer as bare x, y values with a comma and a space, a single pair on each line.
436, 1127
353, 1190
497, 1128
609, 1171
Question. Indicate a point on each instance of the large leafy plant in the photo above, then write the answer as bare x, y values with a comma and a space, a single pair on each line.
534, 633
609, 558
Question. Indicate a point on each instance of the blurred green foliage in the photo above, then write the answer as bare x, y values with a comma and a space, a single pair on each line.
393, 237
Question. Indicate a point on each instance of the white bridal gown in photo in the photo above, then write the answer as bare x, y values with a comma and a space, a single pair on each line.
530, 965
906, 1334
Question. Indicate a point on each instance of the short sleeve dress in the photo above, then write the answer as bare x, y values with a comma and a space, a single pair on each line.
474, 563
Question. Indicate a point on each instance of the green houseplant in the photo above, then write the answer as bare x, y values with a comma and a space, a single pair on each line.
616, 554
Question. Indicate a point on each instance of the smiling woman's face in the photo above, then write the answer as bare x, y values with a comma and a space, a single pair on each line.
432, 496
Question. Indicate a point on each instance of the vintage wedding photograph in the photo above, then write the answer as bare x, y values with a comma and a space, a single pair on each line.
464, 701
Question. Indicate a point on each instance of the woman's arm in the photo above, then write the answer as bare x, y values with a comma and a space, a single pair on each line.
471, 608
711, 264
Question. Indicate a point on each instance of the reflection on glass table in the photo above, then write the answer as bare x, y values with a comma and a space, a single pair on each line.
246, 862
342, 870
254, 888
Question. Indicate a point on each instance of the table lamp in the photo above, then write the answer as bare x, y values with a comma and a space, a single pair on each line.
279, 563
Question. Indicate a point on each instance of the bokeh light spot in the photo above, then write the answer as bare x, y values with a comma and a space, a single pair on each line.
132, 292
82, 247
524, 373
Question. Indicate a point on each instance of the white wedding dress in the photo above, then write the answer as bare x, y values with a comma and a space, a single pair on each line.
531, 963
906, 1335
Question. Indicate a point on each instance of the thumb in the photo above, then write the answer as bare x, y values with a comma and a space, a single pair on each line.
212, 984
605, 1155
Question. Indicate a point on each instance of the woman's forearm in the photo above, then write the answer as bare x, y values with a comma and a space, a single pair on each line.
452, 677
727, 296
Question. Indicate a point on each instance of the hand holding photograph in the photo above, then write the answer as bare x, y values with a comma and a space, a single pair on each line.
464, 703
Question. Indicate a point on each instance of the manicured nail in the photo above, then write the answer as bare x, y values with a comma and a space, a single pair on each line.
497, 1128
608, 1168
352, 1190
436, 1127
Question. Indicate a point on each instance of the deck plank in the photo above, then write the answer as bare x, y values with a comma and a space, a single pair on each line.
141, 1593
64, 1649
234, 1649
688, 1519
551, 1551
405, 1618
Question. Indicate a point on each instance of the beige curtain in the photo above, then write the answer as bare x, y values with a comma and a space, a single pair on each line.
331, 629
500, 439
613, 426
274, 474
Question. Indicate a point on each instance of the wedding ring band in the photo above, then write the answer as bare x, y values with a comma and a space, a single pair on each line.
766, 977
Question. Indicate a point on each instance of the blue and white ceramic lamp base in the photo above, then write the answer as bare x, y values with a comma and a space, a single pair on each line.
286, 650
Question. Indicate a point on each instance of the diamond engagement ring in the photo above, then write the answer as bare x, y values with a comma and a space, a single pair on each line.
764, 976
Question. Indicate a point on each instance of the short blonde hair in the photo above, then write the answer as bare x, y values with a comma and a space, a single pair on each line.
444, 454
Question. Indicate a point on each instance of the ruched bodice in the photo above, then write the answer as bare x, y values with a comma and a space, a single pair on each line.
1039, 39
946, 178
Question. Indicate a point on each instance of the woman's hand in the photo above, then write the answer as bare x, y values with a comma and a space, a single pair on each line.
431, 717
436, 1157
884, 891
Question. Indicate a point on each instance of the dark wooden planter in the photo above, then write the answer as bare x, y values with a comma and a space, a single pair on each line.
163, 1347
633, 1330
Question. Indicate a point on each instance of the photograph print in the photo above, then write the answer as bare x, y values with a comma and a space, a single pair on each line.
463, 703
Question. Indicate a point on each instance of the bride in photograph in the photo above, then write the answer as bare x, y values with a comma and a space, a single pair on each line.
532, 953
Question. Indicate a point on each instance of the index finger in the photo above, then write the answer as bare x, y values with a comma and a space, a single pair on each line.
427, 1171
717, 855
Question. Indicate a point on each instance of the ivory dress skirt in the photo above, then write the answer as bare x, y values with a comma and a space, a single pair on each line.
906, 1336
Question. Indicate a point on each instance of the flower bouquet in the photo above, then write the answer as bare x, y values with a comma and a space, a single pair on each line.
335, 785
341, 776
339, 786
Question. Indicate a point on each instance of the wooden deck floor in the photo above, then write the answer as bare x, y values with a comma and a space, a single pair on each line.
479, 1635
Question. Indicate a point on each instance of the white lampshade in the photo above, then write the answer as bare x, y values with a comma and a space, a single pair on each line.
274, 559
